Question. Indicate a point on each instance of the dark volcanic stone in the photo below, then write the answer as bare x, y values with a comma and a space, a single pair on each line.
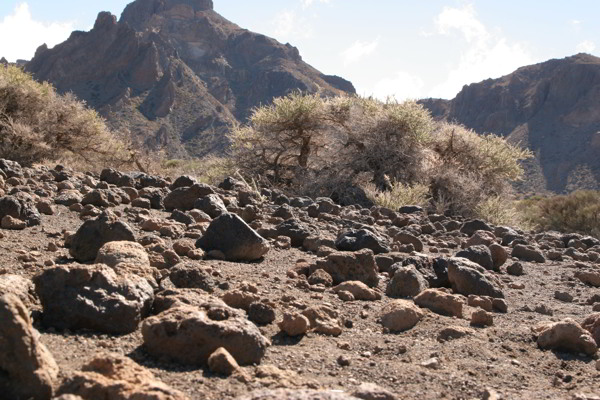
234, 238
93, 297
94, 233
355, 240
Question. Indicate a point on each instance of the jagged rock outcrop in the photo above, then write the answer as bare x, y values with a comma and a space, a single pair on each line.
551, 107
176, 73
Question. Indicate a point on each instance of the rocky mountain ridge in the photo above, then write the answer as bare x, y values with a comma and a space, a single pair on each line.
176, 74
122, 286
551, 108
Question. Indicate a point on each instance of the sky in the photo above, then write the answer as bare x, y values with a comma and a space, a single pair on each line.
407, 49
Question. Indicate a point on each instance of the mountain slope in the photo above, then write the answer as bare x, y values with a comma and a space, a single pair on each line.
177, 74
552, 107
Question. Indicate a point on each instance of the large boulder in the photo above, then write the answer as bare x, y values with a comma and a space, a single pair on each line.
189, 335
234, 238
355, 240
27, 369
94, 233
184, 198
116, 377
467, 278
348, 266
565, 335
93, 297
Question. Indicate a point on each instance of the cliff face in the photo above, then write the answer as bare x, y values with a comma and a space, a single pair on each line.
553, 108
177, 74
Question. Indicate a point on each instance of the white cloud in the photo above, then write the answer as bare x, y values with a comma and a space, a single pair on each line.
22, 35
289, 25
358, 50
487, 55
587, 46
402, 86
308, 3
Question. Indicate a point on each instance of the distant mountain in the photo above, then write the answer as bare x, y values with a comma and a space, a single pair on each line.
552, 107
176, 73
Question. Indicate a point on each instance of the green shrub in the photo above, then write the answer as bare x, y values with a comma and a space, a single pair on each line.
575, 212
38, 124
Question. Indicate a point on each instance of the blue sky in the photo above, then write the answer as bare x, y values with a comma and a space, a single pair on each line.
404, 48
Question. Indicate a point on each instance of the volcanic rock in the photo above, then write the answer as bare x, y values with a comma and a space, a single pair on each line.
234, 238
93, 297
27, 369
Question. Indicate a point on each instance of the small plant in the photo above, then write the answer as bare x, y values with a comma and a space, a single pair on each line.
399, 195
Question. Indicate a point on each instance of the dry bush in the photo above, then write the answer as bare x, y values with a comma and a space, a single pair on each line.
364, 151
575, 212
388, 139
210, 169
469, 169
399, 195
36, 123
283, 139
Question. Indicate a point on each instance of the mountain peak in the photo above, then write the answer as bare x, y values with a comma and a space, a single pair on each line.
141, 11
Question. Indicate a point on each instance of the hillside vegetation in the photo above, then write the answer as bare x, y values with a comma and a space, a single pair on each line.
37, 124
362, 150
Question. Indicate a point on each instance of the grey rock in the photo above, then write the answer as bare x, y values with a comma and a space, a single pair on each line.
466, 278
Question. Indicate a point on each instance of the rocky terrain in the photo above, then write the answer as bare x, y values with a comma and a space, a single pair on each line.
119, 286
176, 74
551, 108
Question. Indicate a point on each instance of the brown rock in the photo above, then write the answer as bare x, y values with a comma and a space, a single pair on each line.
221, 362
589, 277
113, 253
401, 315
323, 319
117, 377
18, 286
359, 290
499, 255
28, 370
592, 325
190, 335
440, 302
348, 266
565, 335
12, 223
482, 318
294, 324
482, 302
